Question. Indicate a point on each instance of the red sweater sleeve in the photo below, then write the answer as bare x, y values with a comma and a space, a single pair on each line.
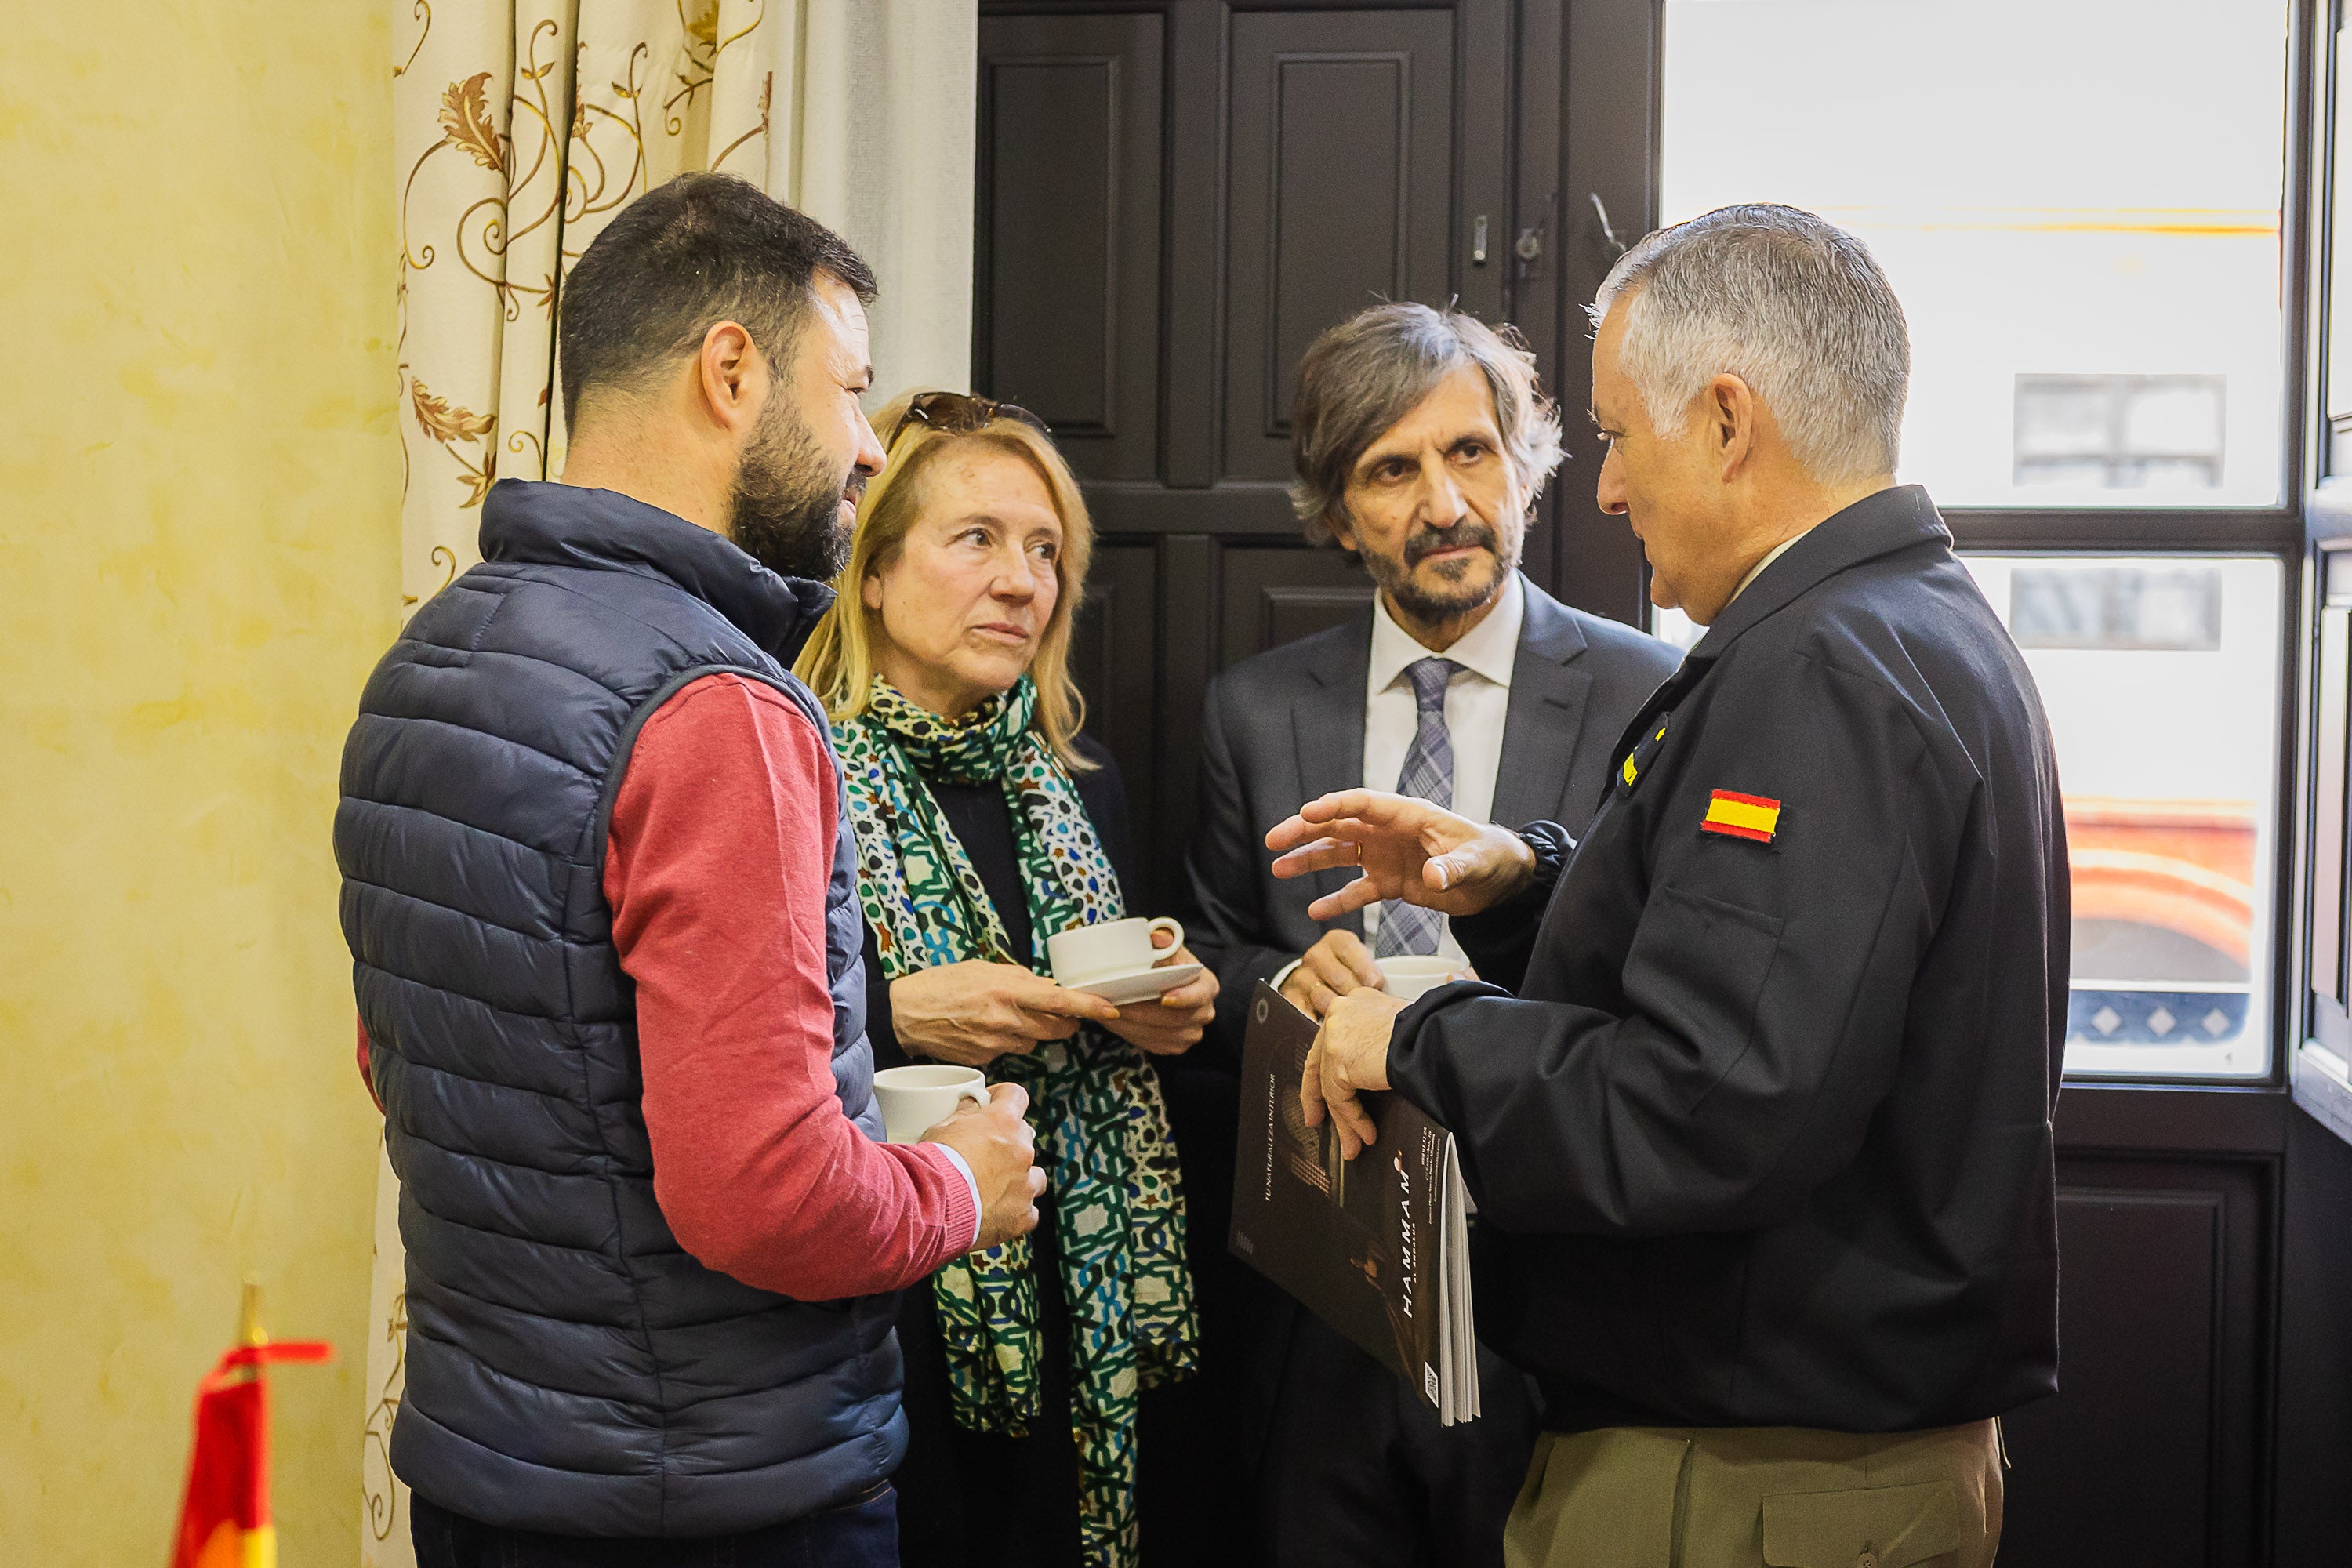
717, 866
367, 1069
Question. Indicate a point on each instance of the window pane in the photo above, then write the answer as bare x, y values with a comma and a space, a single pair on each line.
2160, 678
2078, 200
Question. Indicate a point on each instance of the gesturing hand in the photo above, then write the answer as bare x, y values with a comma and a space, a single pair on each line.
1407, 849
1350, 1055
974, 1012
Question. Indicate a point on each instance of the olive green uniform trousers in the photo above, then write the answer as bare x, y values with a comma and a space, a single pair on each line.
1766, 1497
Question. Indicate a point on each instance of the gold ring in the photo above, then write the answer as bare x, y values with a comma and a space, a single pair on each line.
1359, 854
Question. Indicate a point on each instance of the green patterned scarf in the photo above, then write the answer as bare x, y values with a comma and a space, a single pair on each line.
1119, 1209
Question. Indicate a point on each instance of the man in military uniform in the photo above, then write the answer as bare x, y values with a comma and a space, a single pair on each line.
1758, 1117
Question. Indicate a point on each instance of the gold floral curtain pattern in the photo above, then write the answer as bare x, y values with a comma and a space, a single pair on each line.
384, 1501
519, 128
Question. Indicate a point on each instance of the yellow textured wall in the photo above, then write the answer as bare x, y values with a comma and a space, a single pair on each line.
199, 486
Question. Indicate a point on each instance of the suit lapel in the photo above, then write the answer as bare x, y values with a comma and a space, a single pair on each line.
1544, 721
1326, 719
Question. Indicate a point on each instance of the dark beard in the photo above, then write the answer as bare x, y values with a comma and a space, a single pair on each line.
784, 511
1436, 607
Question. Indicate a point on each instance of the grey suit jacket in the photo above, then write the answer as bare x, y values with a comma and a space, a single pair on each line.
1287, 726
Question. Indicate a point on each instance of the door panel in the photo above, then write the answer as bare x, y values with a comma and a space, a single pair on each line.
1067, 318
1113, 650
2149, 1433
1274, 597
1342, 133
2151, 1453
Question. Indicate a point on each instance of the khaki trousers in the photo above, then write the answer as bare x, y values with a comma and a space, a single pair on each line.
1768, 1496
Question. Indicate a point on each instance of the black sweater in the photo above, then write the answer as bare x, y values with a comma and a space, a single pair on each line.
956, 1487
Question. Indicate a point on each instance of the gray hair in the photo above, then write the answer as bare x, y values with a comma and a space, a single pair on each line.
1363, 375
1794, 306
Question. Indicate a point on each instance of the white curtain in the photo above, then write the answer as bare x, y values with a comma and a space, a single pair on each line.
519, 128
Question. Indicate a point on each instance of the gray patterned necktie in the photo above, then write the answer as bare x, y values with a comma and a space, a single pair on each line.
1428, 772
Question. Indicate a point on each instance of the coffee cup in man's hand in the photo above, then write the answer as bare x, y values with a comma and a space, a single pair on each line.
914, 1099
996, 1140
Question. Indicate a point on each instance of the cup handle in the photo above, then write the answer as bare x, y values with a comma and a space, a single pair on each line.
973, 1091
1167, 924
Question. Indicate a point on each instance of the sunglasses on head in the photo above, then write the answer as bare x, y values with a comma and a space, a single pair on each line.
960, 414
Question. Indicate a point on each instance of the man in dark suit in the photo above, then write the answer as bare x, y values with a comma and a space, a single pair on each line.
1421, 439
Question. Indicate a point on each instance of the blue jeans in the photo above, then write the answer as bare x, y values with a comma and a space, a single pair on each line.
863, 1533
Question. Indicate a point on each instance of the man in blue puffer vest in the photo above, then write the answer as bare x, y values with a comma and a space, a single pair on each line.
600, 892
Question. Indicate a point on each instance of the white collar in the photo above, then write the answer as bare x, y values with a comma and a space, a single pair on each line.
1758, 570
1489, 648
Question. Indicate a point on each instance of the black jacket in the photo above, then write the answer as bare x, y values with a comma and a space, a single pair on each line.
1283, 727
1764, 1138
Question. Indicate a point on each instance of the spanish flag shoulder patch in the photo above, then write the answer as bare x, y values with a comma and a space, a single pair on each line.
1737, 816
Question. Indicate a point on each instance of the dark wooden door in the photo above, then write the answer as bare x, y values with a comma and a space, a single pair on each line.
1067, 315
1341, 129
1173, 201
1173, 198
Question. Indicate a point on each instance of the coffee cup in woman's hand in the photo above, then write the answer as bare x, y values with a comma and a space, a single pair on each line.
1171, 1023
996, 1140
1086, 954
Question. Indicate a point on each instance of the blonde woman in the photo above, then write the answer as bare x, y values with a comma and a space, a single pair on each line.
986, 822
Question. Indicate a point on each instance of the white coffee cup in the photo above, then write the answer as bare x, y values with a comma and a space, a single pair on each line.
917, 1099
1409, 976
1113, 947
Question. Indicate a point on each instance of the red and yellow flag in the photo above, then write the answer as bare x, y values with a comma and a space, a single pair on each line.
225, 1516
1742, 816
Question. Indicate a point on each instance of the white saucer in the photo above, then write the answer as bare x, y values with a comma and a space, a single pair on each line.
1137, 984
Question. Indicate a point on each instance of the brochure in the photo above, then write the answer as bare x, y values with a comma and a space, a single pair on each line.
1377, 1247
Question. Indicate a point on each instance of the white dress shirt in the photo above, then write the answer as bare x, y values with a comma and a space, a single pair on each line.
1477, 701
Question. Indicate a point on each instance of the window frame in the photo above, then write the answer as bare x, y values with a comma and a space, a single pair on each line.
2322, 1035
1611, 107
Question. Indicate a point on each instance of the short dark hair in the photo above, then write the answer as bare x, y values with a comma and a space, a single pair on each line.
1363, 375
699, 250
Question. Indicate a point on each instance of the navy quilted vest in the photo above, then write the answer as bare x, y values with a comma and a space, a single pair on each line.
570, 1368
